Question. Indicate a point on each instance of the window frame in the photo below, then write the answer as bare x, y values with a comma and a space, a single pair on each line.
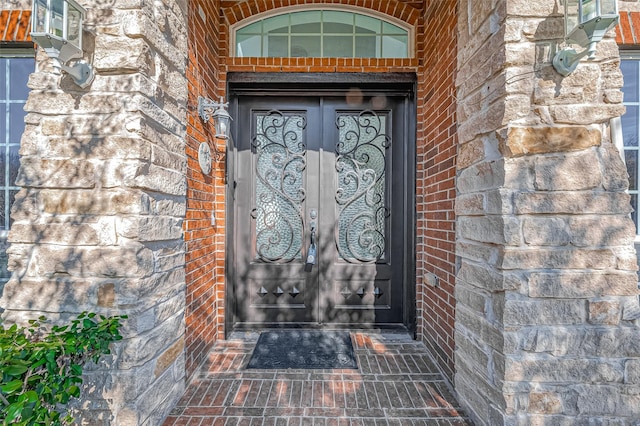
618, 136
411, 49
11, 52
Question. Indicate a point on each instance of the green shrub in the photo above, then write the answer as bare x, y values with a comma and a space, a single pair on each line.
41, 368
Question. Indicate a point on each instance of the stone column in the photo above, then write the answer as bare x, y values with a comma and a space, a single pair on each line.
547, 328
98, 221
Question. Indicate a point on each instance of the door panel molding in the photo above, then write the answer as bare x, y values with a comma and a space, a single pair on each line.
374, 291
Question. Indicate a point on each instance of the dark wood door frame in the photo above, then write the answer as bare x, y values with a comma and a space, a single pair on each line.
301, 84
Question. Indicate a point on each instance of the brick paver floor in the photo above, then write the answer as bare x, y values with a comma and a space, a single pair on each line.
396, 383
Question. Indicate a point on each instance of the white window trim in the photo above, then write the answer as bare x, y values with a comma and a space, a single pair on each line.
14, 52
616, 123
307, 7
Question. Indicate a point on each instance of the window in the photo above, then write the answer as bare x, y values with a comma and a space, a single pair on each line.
15, 68
322, 34
630, 67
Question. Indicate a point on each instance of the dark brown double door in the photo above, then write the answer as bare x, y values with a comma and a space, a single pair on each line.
321, 206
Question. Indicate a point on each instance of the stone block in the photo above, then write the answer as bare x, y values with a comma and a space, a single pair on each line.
479, 276
616, 178
471, 298
159, 398
84, 202
158, 286
138, 349
470, 153
602, 231
169, 206
470, 205
544, 312
545, 231
122, 54
158, 179
593, 342
544, 140
469, 323
106, 148
43, 295
110, 262
151, 110
585, 114
519, 174
58, 103
35, 172
169, 259
481, 176
485, 121
630, 309
580, 285
499, 201
550, 369
136, 24
483, 253
490, 229
632, 372
572, 202
605, 400
95, 231
169, 356
154, 228
169, 160
561, 258
530, 9
605, 312
545, 403
573, 172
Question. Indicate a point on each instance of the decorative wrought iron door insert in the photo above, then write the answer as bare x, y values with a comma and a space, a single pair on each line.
316, 240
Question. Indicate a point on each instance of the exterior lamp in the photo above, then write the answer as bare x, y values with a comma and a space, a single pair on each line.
208, 109
585, 23
56, 26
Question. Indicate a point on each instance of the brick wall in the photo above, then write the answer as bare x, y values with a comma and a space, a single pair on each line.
15, 25
435, 63
436, 171
628, 31
204, 239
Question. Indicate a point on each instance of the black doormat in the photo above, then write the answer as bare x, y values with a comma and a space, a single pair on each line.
303, 349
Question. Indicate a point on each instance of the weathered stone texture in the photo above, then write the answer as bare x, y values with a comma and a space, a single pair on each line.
547, 298
543, 140
98, 222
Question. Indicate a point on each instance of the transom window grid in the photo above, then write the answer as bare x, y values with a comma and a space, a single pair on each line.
630, 66
322, 33
15, 69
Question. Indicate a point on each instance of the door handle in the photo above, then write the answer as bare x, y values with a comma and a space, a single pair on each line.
312, 252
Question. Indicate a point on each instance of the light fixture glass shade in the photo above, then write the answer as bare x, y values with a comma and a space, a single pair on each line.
216, 111
587, 21
221, 123
57, 27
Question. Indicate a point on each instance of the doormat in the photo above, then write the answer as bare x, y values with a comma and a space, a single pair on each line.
303, 349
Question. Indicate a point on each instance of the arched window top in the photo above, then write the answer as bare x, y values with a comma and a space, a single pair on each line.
323, 33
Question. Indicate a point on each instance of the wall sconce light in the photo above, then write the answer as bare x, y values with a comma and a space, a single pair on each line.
585, 23
56, 26
209, 109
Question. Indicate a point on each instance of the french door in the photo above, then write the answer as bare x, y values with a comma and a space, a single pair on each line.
320, 210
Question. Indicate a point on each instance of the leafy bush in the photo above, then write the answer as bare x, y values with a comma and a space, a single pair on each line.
41, 369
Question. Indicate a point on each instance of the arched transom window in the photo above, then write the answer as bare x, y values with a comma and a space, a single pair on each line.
323, 34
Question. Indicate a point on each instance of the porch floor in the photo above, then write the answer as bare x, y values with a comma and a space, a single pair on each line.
397, 383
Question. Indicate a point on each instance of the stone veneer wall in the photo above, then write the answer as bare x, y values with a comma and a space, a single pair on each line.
547, 319
98, 222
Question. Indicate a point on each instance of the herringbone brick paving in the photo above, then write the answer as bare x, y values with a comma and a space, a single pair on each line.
396, 383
